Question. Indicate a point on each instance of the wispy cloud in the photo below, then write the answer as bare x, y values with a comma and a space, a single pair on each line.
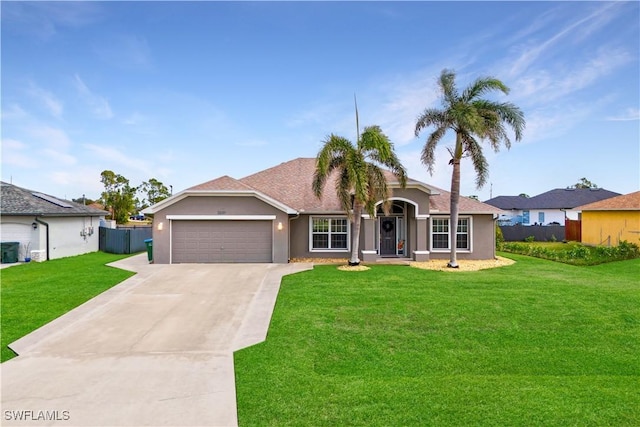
14, 112
58, 157
544, 79
392, 102
85, 178
51, 144
99, 106
112, 155
45, 19
631, 114
48, 136
581, 27
128, 51
543, 85
16, 153
402, 101
46, 99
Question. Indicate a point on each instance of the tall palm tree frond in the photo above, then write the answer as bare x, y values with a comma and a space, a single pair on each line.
481, 86
447, 84
480, 164
428, 151
431, 117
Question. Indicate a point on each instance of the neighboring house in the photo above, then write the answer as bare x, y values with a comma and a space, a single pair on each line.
610, 221
547, 208
273, 216
47, 227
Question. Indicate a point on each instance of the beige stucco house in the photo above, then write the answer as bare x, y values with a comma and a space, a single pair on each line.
273, 216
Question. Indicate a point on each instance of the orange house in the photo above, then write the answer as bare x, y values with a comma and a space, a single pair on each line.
610, 221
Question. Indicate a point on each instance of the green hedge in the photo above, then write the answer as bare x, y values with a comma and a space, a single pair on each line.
575, 254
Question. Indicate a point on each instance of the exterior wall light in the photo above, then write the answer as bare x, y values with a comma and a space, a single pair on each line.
279, 226
160, 226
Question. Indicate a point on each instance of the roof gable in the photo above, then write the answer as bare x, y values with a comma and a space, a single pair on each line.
630, 202
21, 201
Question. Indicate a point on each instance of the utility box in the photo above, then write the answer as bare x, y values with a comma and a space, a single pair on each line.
39, 255
10, 251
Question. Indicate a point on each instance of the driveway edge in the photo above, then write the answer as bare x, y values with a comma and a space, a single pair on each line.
255, 324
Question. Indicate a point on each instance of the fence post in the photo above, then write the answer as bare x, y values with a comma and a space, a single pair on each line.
127, 241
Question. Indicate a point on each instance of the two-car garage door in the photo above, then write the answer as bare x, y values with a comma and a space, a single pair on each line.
221, 241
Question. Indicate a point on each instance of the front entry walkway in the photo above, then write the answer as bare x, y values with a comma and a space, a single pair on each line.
156, 350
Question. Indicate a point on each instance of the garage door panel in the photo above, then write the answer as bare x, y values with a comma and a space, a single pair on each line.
221, 241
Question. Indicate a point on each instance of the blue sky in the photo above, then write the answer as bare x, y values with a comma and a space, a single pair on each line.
185, 92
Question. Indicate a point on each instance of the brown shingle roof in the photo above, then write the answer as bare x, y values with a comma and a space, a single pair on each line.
224, 183
291, 184
440, 203
626, 202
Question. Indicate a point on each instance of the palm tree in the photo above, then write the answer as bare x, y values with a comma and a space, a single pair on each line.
471, 118
359, 174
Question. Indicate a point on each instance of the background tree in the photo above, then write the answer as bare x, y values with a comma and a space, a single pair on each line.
525, 195
471, 118
359, 173
83, 200
118, 196
584, 183
154, 192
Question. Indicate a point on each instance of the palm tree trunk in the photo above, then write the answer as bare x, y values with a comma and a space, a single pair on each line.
355, 232
453, 207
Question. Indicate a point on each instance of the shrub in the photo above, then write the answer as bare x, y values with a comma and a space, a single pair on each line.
579, 252
499, 236
627, 250
530, 239
574, 254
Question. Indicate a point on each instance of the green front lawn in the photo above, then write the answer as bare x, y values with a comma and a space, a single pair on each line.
535, 343
34, 294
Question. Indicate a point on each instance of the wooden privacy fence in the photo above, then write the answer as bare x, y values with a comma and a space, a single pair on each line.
540, 233
124, 240
573, 230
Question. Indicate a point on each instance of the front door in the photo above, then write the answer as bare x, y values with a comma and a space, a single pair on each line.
387, 236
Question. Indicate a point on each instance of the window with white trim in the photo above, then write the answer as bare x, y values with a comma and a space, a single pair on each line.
440, 234
329, 234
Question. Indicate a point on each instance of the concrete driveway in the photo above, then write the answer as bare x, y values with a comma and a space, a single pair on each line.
156, 350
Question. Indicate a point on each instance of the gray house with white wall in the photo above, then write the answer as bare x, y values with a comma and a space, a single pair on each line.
45, 226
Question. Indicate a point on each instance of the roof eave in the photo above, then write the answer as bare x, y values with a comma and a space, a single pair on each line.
54, 214
217, 193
